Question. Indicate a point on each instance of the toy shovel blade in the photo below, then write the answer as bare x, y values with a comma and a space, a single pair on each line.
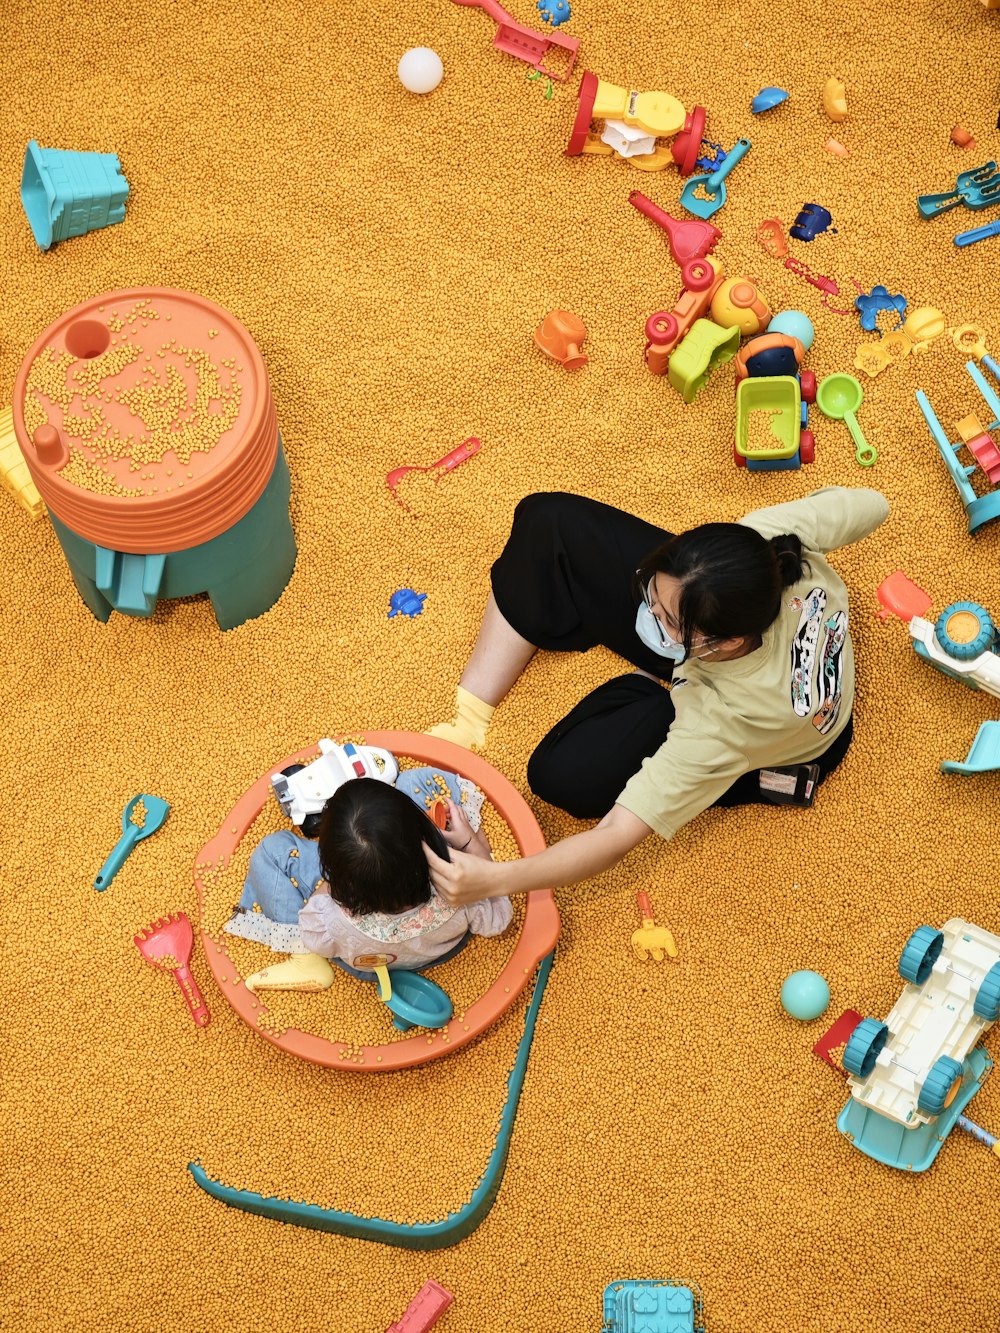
138, 822
714, 185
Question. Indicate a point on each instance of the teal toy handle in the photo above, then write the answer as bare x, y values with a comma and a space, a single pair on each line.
116, 860
930, 205
736, 154
864, 453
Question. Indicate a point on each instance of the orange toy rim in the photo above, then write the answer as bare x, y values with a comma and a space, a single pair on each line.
185, 518
539, 930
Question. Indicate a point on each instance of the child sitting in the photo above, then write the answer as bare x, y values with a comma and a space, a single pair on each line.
361, 894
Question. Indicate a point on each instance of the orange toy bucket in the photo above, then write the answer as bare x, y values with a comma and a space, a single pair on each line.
146, 419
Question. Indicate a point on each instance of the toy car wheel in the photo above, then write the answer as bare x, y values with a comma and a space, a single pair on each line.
964, 630
863, 1047
940, 1086
697, 275
920, 952
807, 387
987, 1003
738, 458
661, 328
807, 447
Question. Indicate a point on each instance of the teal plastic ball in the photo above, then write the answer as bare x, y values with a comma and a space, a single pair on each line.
795, 324
805, 995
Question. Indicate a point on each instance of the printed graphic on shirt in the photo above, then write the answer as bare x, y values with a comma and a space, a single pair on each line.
831, 671
804, 650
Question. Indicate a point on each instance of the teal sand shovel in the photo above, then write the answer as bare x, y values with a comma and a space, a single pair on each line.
142, 816
839, 397
694, 192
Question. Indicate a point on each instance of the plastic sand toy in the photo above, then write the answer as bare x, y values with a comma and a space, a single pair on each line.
638, 1306
141, 817
67, 194
515, 39
705, 195
839, 397
146, 420
650, 940
167, 944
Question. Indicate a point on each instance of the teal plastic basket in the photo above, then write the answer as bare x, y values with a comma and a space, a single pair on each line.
68, 194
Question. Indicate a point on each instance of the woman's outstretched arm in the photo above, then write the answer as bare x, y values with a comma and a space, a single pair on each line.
466, 879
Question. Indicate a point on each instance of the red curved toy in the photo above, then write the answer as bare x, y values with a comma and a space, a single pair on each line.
539, 930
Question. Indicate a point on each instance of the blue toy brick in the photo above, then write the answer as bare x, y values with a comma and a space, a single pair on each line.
987, 1004
68, 194
920, 952
641, 1306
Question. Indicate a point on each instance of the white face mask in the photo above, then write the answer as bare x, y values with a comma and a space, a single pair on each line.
661, 642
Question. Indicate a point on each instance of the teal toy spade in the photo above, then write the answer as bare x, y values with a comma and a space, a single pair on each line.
142, 816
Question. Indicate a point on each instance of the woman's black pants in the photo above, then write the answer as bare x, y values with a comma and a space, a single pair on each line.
566, 582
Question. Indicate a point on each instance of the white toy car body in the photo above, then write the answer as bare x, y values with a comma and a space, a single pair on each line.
910, 1068
304, 791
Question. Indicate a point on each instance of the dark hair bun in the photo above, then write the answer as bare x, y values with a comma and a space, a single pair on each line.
788, 552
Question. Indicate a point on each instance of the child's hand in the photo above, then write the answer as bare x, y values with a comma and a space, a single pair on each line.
460, 836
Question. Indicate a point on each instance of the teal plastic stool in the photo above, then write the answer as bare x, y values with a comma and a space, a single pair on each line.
68, 194
244, 570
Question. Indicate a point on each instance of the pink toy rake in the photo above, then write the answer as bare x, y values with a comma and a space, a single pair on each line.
515, 39
167, 944
443, 466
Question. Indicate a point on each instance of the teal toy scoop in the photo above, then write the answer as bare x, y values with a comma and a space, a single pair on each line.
839, 397
142, 816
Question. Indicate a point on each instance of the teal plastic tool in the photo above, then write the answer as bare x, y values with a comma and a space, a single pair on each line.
409, 1235
977, 188
983, 757
713, 185
138, 822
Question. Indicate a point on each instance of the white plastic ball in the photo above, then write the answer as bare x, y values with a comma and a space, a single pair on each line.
420, 70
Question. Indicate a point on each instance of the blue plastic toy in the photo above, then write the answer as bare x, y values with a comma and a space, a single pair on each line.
805, 995
767, 98
879, 298
978, 234
713, 159
68, 194
416, 1001
639, 1306
142, 816
979, 508
812, 221
554, 11
406, 602
409, 1235
794, 324
978, 188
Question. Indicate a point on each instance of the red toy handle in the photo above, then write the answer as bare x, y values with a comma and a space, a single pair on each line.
461, 451
193, 996
645, 907
687, 238
491, 7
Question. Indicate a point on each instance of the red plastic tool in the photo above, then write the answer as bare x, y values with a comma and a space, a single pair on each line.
424, 1310
514, 39
167, 944
688, 239
444, 465
900, 596
835, 1036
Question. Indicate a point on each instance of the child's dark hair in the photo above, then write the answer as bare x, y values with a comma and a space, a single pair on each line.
371, 848
731, 578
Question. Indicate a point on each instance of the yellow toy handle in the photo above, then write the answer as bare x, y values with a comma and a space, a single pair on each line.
384, 984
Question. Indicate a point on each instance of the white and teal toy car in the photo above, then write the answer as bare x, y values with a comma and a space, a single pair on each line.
912, 1076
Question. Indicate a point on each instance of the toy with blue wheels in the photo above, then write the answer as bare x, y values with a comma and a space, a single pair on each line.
964, 630
940, 1086
920, 952
863, 1047
987, 1005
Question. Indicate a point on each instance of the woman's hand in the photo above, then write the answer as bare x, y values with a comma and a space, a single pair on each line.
466, 878
459, 835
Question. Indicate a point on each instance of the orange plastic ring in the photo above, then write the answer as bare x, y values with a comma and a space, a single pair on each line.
539, 930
